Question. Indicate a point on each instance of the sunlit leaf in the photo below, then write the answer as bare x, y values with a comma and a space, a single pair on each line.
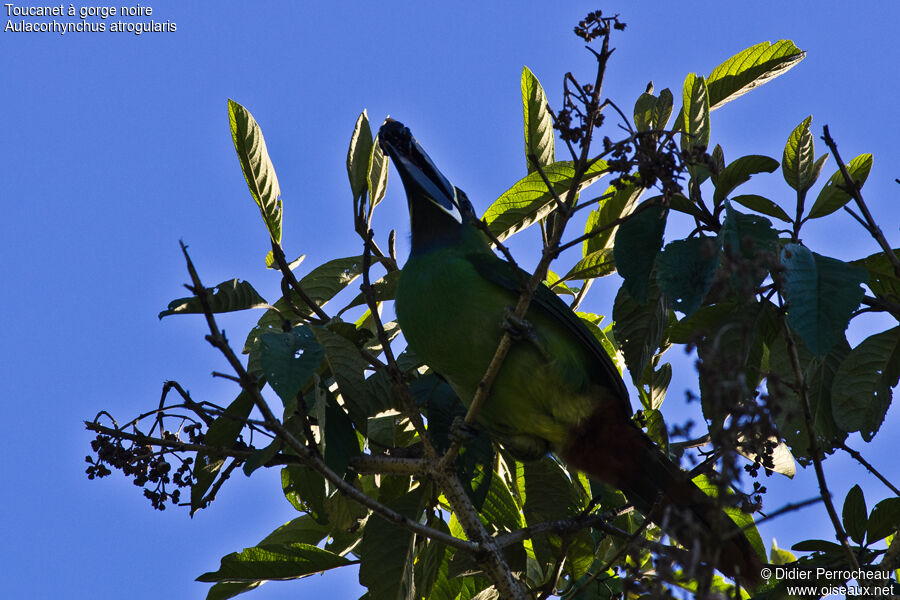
662, 109
739, 171
259, 172
529, 200
779, 556
749, 69
539, 140
798, 161
762, 205
274, 562
695, 115
833, 197
228, 296
596, 264
615, 204
643, 111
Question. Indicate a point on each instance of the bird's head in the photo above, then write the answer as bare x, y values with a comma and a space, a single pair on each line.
437, 208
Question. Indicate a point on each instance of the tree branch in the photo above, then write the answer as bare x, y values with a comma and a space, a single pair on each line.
853, 188
249, 385
814, 445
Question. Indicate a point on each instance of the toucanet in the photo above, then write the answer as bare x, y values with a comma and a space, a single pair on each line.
557, 390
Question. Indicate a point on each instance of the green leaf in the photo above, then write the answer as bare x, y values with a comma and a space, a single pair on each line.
861, 393
259, 172
685, 271
749, 69
819, 373
376, 179
833, 197
549, 496
748, 235
779, 556
741, 519
261, 456
798, 160
596, 264
429, 562
883, 281
717, 157
305, 490
818, 546
617, 202
384, 288
702, 322
386, 551
348, 368
682, 204
739, 171
695, 114
274, 562
228, 296
441, 407
340, 441
762, 205
643, 111
539, 140
529, 200
884, 520
636, 245
224, 591
304, 529
321, 285
656, 428
822, 293
499, 507
639, 328
663, 109
288, 361
854, 514
358, 155
223, 433
604, 336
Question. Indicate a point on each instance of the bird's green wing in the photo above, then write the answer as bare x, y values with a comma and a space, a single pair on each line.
513, 278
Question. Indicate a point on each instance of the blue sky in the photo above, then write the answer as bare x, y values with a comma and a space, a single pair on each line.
116, 146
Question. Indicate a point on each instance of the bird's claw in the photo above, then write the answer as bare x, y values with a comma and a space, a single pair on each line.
462, 432
521, 330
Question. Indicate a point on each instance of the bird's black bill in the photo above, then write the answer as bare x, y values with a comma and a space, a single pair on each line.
418, 172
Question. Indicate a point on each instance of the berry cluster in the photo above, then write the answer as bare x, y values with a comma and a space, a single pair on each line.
149, 469
595, 24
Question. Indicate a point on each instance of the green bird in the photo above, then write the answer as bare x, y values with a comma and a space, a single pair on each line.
557, 390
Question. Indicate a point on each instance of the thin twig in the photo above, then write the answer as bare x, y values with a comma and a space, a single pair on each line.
853, 188
800, 382
249, 385
281, 261
859, 458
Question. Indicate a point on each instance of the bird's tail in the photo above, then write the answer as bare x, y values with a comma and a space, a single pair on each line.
617, 452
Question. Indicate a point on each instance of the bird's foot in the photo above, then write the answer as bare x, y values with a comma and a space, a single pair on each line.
521, 330
462, 432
